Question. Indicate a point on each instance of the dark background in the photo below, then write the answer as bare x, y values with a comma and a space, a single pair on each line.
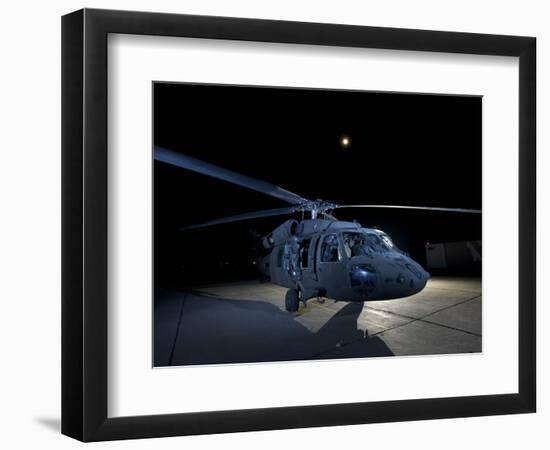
406, 149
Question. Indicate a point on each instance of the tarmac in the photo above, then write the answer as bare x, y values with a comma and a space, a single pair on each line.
246, 321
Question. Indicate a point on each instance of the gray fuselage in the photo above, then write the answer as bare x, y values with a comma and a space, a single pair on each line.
339, 260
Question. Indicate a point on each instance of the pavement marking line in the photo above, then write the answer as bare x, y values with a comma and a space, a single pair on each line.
401, 325
429, 314
422, 319
171, 359
469, 291
394, 327
451, 328
412, 319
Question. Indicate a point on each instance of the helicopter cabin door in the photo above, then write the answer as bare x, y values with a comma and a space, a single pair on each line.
331, 266
307, 262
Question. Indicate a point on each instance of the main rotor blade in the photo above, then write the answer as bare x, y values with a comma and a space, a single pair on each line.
196, 165
245, 216
426, 208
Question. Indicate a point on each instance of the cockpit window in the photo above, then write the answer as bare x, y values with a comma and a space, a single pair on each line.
357, 244
329, 248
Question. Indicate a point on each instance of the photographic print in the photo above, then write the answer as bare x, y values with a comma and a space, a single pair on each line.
295, 224
320, 219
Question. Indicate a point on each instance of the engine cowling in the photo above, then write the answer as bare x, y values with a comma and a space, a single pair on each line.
267, 241
284, 231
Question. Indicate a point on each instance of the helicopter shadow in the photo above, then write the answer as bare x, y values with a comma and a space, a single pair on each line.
353, 342
197, 328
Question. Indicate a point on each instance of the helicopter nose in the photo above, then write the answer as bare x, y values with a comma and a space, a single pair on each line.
424, 280
419, 276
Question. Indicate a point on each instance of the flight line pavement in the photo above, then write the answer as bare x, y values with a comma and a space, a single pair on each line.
246, 321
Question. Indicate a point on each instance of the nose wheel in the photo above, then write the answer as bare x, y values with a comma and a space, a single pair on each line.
292, 300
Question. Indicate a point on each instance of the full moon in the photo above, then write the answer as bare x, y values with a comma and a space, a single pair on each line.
345, 141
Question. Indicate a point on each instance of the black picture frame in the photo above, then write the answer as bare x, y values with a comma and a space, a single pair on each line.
84, 224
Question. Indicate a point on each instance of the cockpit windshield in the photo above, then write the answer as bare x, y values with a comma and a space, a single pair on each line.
365, 243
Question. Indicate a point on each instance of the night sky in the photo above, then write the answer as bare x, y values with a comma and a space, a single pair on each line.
406, 149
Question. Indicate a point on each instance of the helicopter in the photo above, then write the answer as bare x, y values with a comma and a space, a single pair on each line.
320, 256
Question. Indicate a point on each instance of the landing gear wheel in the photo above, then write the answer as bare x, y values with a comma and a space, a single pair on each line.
292, 300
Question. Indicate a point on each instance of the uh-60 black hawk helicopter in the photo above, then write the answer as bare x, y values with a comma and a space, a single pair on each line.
320, 256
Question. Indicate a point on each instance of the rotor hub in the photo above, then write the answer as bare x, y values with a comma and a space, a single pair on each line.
316, 207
